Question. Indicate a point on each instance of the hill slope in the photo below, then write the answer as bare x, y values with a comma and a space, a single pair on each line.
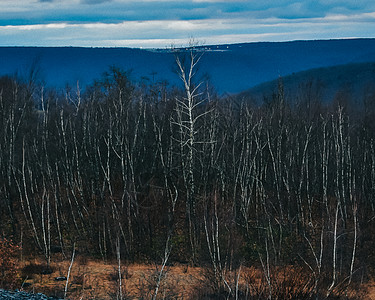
351, 80
231, 68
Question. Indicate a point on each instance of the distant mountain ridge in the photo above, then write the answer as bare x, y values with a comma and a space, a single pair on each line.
231, 68
354, 81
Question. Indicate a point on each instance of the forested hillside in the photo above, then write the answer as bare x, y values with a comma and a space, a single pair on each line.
353, 81
231, 68
149, 173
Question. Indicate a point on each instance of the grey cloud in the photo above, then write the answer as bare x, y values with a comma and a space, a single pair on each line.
236, 21
94, 1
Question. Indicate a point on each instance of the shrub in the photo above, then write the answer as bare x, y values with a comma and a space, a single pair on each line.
9, 277
40, 269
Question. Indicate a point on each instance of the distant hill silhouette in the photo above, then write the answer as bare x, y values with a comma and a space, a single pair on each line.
354, 81
230, 68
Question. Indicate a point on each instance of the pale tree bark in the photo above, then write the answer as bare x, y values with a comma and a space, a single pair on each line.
188, 116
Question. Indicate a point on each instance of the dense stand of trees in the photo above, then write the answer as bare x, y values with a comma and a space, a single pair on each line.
142, 171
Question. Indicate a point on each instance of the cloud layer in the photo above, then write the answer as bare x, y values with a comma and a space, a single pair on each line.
159, 23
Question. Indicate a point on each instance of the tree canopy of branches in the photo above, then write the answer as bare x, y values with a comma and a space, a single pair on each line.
125, 167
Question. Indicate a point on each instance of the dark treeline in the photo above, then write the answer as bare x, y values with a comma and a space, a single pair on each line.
144, 172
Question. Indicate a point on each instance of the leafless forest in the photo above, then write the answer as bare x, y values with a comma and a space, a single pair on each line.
150, 173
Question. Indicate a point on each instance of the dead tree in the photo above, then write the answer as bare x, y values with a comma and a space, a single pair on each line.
187, 118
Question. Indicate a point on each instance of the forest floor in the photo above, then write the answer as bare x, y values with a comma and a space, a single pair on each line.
95, 279
370, 290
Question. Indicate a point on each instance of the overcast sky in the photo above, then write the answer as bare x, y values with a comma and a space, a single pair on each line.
162, 23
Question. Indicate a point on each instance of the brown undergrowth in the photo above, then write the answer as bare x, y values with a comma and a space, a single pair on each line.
97, 279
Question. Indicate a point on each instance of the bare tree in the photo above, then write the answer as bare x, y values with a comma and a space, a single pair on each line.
187, 118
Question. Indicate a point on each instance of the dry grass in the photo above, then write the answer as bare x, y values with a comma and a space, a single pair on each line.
369, 290
95, 279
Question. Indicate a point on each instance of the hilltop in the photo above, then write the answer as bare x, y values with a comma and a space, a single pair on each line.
230, 68
354, 81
